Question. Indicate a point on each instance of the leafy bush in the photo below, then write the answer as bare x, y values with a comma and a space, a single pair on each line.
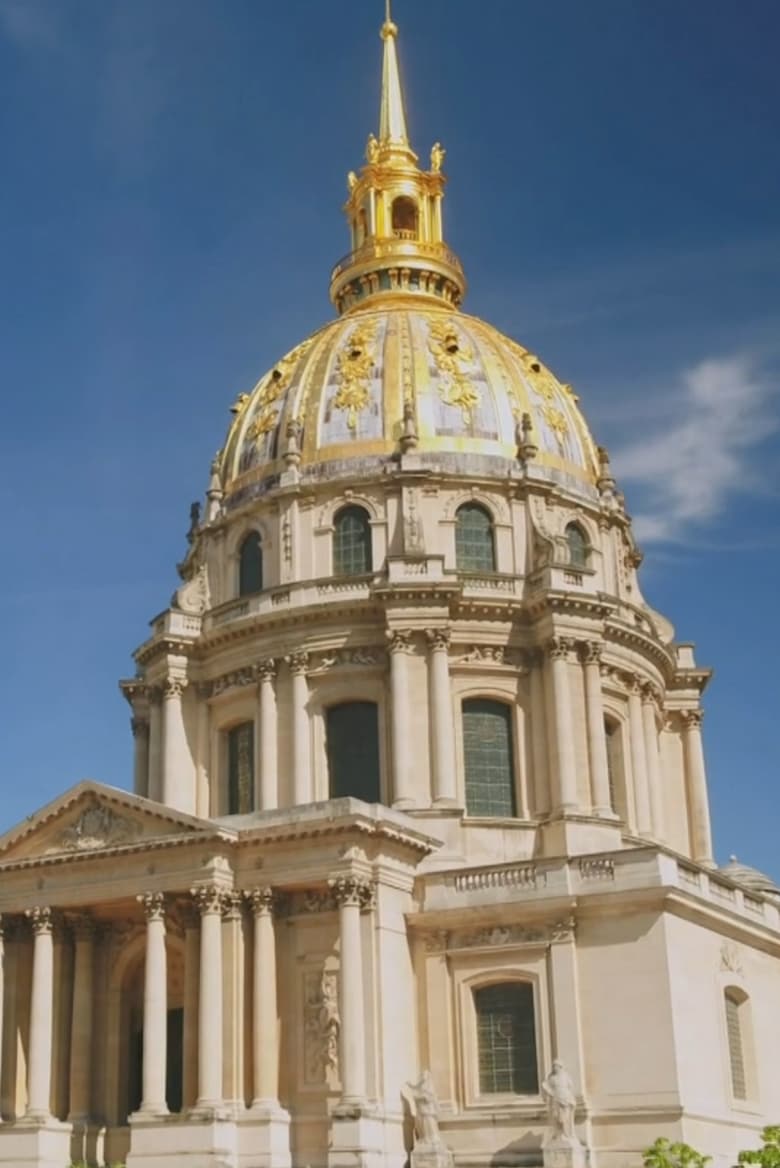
664, 1154
767, 1156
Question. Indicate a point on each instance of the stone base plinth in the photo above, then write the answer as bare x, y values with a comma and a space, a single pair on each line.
431, 1156
563, 1152
204, 1139
356, 1139
264, 1137
576, 835
35, 1144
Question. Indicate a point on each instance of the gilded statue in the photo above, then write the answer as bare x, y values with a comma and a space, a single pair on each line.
372, 149
351, 180
437, 157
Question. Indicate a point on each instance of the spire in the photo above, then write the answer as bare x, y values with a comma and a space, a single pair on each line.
392, 114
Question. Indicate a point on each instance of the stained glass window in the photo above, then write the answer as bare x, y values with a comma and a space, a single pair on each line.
241, 768
578, 546
474, 550
250, 565
351, 542
736, 1049
487, 751
506, 1039
353, 751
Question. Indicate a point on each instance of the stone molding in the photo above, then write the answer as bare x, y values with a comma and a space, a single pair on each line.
498, 936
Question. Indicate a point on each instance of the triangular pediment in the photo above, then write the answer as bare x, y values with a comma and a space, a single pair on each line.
92, 818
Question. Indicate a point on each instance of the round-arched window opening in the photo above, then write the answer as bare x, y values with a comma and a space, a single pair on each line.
474, 544
577, 543
250, 565
405, 218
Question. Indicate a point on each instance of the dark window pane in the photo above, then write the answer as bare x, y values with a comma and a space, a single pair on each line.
353, 751
506, 1039
614, 761
736, 1050
474, 539
241, 768
578, 546
250, 565
351, 542
487, 750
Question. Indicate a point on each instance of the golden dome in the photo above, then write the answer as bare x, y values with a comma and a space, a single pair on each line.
340, 404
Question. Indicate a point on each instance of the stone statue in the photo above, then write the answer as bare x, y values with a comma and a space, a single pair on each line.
558, 1090
194, 521
437, 157
372, 149
426, 1111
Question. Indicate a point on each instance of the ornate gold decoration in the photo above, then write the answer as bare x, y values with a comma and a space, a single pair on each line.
275, 384
354, 366
557, 422
451, 353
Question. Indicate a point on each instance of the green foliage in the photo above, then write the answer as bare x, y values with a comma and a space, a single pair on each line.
767, 1156
664, 1154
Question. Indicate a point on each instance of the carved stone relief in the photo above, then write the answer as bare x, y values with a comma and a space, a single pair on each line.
321, 1026
96, 827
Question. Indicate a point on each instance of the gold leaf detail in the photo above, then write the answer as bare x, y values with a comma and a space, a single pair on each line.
273, 387
262, 423
556, 420
450, 353
354, 366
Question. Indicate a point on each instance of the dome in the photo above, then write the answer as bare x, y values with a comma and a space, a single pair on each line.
750, 878
348, 394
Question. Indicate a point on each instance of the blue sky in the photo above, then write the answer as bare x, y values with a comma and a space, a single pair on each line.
172, 177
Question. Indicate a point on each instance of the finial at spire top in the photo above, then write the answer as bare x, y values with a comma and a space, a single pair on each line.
392, 115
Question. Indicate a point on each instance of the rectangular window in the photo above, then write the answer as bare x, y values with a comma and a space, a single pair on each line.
352, 731
506, 1039
487, 752
241, 769
736, 1050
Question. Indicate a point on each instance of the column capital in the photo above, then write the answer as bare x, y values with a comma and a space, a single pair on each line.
651, 695
633, 683
41, 919
267, 669
399, 640
173, 687
352, 891
232, 904
559, 648
209, 898
590, 652
692, 719
298, 662
153, 904
262, 901
438, 638
139, 726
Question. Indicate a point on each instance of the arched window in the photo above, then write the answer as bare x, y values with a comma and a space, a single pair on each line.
506, 1039
487, 754
735, 1002
250, 565
352, 731
351, 542
241, 768
614, 736
578, 546
405, 218
474, 546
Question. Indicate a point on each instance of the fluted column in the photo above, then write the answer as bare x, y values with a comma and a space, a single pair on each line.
81, 1022
597, 739
301, 743
652, 761
154, 787
209, 902
265, 1038
174, 747
155, 1006
41, 1015
558, 650
351, 895
444, 788
400, 646
268, 795
140, 727
696, 780
636, 732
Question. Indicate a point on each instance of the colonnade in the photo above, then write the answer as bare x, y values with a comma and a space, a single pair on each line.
559, 754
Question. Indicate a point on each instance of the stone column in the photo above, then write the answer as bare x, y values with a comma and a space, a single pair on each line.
265, 1038
562, 741
154, 788
209, 901
174, 748
268, 795
41, 1016
81, 1053
301, 735
403, 793
696, 780
203, 692
597, 739
444, 787
652, 762
538, 717
153, 1100
351, 895
140, 727
636, 734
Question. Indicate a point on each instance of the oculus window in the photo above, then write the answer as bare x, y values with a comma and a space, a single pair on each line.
487, 754
352, 733
506, 1039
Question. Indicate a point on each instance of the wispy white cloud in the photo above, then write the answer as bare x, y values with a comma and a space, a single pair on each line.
688, 467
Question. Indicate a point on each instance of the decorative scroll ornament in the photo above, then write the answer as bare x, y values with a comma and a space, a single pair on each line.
557, 422
321, 1026
500, 935
730, 959
97, 827
274, 385
451, 353
354, 366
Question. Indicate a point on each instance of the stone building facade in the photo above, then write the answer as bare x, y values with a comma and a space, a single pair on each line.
419, 786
